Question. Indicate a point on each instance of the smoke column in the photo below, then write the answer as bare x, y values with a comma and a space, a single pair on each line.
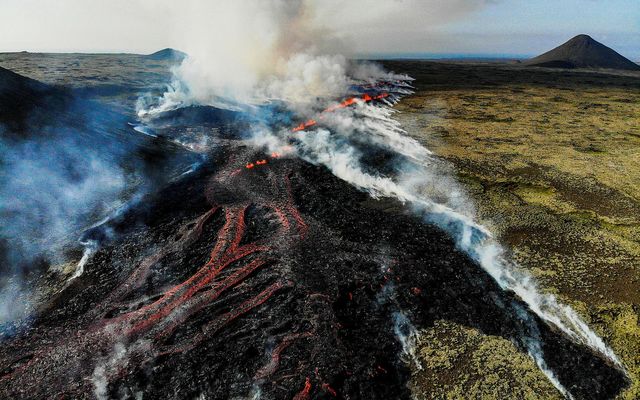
258, 51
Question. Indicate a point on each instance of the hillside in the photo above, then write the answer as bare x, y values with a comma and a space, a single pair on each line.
582, 51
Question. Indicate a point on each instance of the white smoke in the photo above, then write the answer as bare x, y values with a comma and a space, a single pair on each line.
102, 371
532, 342
89, 249
116, 360
441, 200
15, 305
443, 203
50, 187
269, 50
252, 51
405, 332
254, 394
511, 277
407, 336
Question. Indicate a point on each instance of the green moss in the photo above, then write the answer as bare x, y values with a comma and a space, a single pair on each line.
461, 362
544, 196
554, 171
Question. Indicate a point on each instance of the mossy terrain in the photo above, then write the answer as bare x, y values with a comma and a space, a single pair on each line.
551, 159
460, 362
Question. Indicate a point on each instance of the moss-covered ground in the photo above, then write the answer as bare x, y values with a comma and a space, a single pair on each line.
552, 161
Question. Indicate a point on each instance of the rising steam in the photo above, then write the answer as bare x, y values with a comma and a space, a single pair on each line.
420, 183
270, 51
259, 51
50, 188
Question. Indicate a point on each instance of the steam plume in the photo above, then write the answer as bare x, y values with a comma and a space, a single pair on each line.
259, 51
50, 189
278, 59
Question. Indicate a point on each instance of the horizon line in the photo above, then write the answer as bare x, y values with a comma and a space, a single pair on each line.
408, 55
357, 55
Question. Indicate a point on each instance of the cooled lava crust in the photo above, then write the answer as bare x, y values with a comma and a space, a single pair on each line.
280, 280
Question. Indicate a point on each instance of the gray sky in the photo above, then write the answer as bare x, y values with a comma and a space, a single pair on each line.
368, 26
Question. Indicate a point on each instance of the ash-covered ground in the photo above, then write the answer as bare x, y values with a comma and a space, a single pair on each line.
259, 275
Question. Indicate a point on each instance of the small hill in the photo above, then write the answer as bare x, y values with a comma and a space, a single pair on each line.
167, 54
582, 52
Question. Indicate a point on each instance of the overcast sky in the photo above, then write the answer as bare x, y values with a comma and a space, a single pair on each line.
368, 26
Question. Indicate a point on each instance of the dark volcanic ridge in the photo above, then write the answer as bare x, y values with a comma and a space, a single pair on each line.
25, 101
55, 142
167, 54
583, 51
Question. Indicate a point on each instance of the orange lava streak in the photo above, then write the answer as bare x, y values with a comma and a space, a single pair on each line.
137, 278
157, 319
148, 315
273, 364
352, 100
217, 324
284, 221
264, 161
326, 387
200, 301
240, 227
253, 302
304, 393
223, 254
305, 125
302, 226
346, 103
293, 211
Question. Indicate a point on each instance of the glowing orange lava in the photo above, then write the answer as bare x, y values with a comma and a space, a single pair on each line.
344, 104
304, 393
305, 125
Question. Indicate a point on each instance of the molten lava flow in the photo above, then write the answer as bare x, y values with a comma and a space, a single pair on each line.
159, 317
250, 165
264, 161
229, 264
352, 100
344, 104
304, 393
214, 326
327, 388
271, 367
305, 125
